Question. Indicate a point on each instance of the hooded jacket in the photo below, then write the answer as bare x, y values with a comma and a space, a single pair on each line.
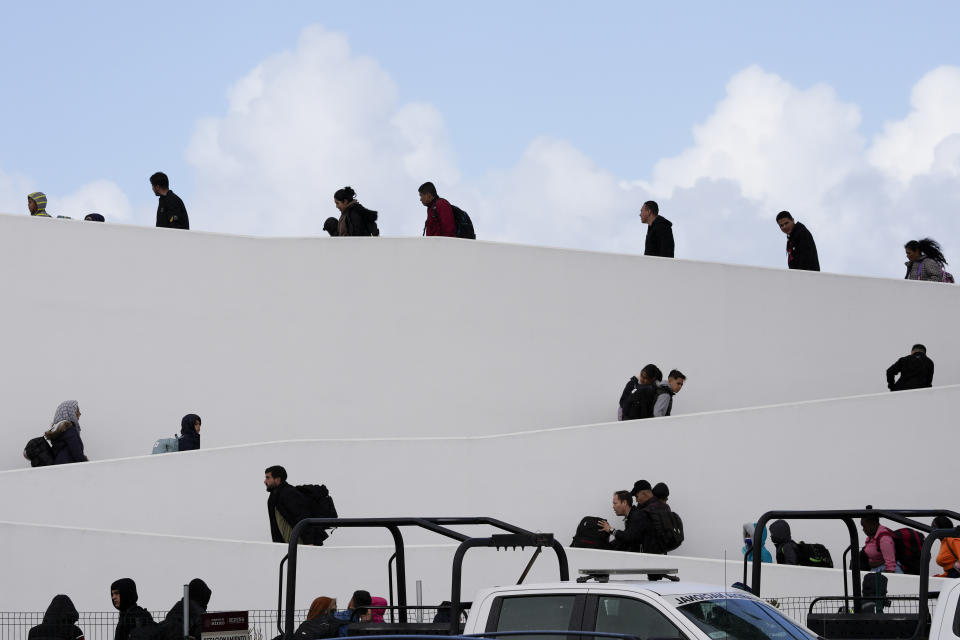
131, 615
59, 622
189, 437
802, 250
787, 549
357, 220
915, 370
748, 528
40, 199
199, 598
659, 240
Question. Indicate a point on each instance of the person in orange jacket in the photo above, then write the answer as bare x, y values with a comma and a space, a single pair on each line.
949, 556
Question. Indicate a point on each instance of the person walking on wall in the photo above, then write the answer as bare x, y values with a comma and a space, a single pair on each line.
639, 396
355, 219
665, 392
171, 212
123, 594
287, 506
440, 220
64, 434
659, 240
189, 433
801, 249
37, 204
915, 371
59, 621
925, 261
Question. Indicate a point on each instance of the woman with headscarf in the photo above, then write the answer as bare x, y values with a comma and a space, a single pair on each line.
64, 434
189, 433
925, 261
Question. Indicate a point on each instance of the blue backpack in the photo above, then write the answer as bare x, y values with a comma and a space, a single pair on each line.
166, 445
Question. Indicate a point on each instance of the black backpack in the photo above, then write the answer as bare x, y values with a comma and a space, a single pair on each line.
39, 452
320, 505
813, 554
639, 403
667, 532
326, 626
463, 222
589, 535
370, 219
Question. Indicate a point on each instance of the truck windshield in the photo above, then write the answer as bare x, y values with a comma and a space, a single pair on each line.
742, 619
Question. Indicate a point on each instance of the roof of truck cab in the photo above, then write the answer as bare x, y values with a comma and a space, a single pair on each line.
662, 588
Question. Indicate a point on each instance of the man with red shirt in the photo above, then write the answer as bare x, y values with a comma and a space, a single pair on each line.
440, 220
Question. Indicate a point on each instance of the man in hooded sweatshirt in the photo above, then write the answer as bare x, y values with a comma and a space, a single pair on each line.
37, 204
199, 597
123, 593
787, 549
189, 433
59, 621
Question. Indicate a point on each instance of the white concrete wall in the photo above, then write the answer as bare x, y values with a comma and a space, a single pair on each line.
243, 575
319, 337
723, 469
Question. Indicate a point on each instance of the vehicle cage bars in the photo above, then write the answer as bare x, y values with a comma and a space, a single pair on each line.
515, 537
901, 516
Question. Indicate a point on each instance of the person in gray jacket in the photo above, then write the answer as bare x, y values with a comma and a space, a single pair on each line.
666, 391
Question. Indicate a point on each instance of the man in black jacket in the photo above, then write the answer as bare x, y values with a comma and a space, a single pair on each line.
801, 249
171, 212
287, 506
123, 593
631, 537
916, 371
659, 231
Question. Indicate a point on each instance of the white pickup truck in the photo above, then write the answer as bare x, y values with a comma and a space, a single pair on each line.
677, 610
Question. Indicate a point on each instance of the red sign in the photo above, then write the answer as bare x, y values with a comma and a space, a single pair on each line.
225, 621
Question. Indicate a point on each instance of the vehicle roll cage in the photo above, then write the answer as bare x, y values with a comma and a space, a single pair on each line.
905, 517
514, 537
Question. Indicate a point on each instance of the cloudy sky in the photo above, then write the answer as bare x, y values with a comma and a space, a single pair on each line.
549, 122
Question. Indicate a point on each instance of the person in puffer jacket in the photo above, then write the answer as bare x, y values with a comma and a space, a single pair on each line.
925, 260
59, 621
787, 549
189, 433
67, 445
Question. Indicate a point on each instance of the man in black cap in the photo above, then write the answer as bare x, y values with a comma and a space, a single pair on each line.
123, 593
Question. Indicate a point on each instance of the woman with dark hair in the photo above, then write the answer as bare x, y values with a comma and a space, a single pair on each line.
925, 261
355, 219
949, 556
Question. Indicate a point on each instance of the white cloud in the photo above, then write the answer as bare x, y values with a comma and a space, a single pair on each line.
307, 121
304, 123
925, 139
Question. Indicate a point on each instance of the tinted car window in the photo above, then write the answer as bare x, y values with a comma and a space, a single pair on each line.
536, 613
736, 619
627, 615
